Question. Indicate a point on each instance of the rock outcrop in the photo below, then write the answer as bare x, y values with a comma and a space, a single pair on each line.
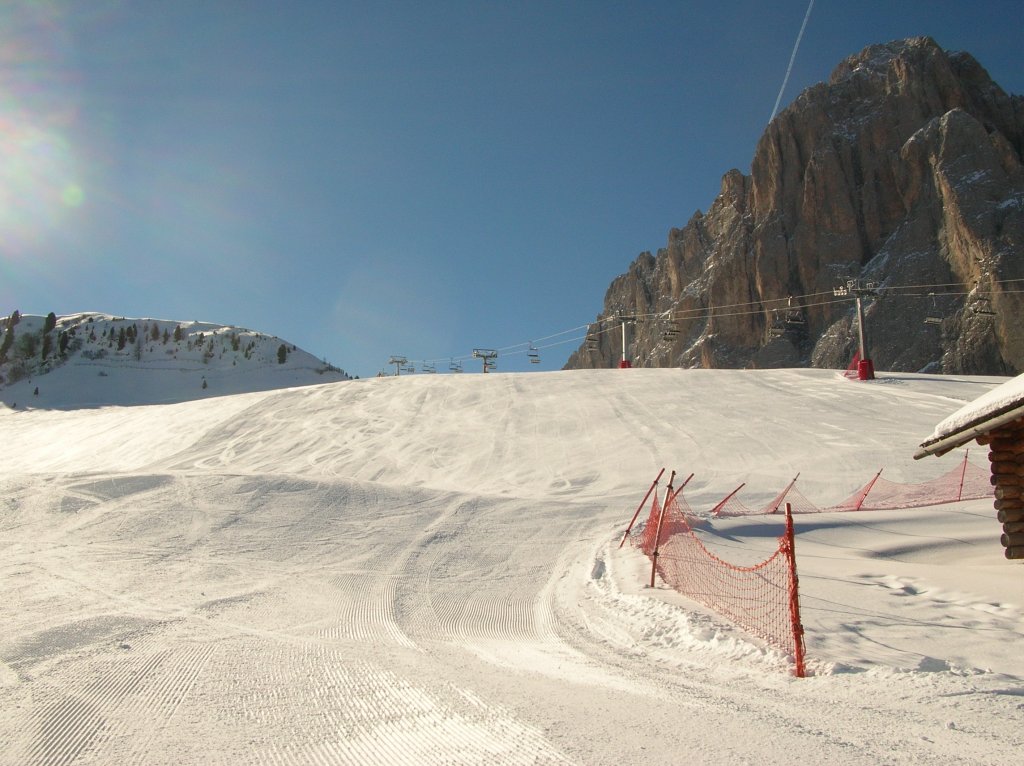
903, 174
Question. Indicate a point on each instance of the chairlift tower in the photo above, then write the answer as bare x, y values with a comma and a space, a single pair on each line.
399, 362
860, 290
624, 362
488, 355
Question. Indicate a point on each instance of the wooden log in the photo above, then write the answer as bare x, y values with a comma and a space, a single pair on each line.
1015, 553
983, 439
1005, 468
1013, 527
1009, 504
1012, 541
1002, 444
1006, 480
1014, 444
1009, 517
1003, 456
1004, 492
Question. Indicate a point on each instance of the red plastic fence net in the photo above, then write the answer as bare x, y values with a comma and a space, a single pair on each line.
851, 370
678, 518
760, 598
966, 481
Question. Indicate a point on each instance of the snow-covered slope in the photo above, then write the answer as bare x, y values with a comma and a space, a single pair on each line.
97, 359
425, 570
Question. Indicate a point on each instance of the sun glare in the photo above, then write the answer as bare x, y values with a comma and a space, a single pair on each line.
39, 181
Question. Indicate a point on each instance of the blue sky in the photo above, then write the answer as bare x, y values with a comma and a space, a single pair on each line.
378, 178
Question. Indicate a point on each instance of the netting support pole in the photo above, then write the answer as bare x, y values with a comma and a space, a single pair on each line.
657, 535
963, 474
799, 669
717, 509
632, 521
681, 487
864, 497
782, 496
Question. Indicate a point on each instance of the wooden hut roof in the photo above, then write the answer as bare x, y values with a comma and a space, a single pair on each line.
1003, 404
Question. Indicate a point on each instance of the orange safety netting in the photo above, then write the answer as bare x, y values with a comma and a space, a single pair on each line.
964, 482
760, 598
851, 369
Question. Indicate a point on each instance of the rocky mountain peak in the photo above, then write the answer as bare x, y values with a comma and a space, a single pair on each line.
903, 170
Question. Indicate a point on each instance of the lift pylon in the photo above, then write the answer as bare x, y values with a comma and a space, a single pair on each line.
488, 355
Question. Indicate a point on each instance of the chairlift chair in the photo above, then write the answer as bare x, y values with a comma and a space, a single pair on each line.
983, 307
533, 355
794, 316
933, 317
777, 328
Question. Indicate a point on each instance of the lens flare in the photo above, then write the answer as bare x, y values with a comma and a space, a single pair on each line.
73, 196
38, 173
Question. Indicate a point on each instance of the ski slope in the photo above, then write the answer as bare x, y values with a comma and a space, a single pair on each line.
424, 570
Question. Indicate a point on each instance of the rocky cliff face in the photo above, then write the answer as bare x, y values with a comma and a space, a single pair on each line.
903, 173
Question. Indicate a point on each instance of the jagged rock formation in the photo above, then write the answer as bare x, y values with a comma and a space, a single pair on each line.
904, 170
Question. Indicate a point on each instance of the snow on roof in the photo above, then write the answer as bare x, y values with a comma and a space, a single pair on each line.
1001, 404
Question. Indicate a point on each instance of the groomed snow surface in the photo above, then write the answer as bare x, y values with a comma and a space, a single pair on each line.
424, 570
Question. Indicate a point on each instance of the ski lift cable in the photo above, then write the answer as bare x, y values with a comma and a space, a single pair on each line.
713, 312
897, 288
761, 304
546, 337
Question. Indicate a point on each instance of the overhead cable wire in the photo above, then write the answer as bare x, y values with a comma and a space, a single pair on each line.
715, 312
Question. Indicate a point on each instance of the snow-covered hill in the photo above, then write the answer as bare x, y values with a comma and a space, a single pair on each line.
91, 359
424, 570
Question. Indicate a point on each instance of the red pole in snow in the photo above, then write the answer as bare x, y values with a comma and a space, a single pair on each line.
794, 597
661, 519
674, 496
871, 486
778, 500
639, 507
963, 473
718, 508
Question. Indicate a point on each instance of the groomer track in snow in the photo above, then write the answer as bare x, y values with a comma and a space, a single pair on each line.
425, 570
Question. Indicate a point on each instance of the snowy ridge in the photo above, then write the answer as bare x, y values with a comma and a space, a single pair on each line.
426, 570
90, 359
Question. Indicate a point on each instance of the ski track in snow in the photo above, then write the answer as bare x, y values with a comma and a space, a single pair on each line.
427, 571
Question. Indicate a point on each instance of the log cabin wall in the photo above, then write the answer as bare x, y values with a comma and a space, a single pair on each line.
1006, 455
